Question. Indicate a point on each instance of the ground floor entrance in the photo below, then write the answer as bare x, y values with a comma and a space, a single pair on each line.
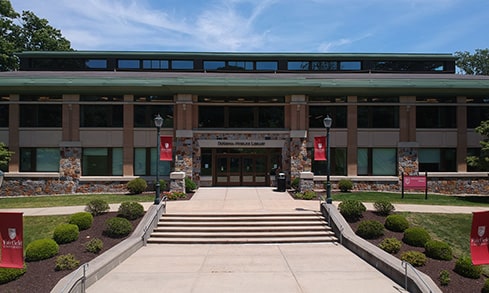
244, 167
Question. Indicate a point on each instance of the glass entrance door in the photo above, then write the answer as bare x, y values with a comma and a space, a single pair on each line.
241, 170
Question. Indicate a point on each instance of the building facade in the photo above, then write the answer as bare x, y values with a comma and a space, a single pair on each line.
83, 121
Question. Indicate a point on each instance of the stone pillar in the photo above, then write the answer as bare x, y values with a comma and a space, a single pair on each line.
306, 182
352, 137
407, 156
70, 166
177, 182
299, 160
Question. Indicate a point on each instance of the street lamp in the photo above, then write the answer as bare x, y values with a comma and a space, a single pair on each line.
158, 123
327, 123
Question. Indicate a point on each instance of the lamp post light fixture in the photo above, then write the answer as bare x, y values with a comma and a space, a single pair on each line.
158, 123
327, 123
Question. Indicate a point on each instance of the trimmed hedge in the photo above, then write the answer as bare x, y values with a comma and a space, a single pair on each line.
416, 236
117, 227
41, 249
137, 185
383, 207
391, 245
130, 210
438, 250
66, 233
415, 258
97, 207
9, 275
370, 229
83, 220
465, 268
66, 262
352, 209
396, 223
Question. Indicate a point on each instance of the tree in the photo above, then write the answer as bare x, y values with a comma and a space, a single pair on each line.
473, 64
31, 34
481, 162
5, 155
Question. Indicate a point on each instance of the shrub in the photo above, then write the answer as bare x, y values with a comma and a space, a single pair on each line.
137, 185
8, 274
66, 262
370, 229
416, 236
465, 268
391, 245
41, 249
485, 288
66, 233
163, 184
444, 278
396, 223
190, 185
438, 250
83, 220
415, 258
97, 207
117, 227
345, 185
130, 210
352, 209
307, 195
174, 195
295, 183
384, 207
95, 245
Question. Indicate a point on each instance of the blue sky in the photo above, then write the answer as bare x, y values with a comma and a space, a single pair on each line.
372, 26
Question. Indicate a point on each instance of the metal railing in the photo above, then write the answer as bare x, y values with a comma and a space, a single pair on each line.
407, 265
80, 280
156, 215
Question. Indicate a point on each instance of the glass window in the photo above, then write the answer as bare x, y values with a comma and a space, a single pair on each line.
377, 161
40, 115
206, 162
182, 64
214, 65
378, 117
324, 65
211, 117
164, 167
140, 162
437, 160
128, 64
266, 65
144, 115
4, 115
101, 116
337, 166
240, 65
271, 117
155, 64
350, 65
436, 117
39, 159
241, 117
477, 111
298, 65
102, 162
318, 113
96, 63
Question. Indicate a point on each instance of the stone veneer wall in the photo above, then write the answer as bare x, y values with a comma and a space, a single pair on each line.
299, 159
407, 157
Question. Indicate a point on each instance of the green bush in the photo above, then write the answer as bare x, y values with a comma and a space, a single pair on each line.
137, 185
190, 185
352, 209
416, 236
444, 278
415, 258
97, 207
438, 250
163, 184
83, 220
95, 245
396, 223
66, 233
370, 229
307, 195
41, 249
391, 245
130, 210
9, 275
485, 288
66, 262
384, 207
117, 227
295, 183
345, 185
465, 268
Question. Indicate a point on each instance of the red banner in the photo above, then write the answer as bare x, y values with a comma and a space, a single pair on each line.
415, 182
320, 148
479, 238
166, 147
12, 238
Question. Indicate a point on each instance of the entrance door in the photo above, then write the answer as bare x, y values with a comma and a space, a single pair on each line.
241, 170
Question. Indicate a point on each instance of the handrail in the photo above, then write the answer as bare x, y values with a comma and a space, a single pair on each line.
146, 228
405, 265
82, 279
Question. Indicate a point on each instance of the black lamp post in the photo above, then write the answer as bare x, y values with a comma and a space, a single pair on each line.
158, 123
327, 123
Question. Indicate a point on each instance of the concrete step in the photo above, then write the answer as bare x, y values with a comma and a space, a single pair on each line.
300, 227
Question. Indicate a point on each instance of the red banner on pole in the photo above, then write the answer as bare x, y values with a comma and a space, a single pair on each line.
12, 238
320, 148
479, 238
166, 147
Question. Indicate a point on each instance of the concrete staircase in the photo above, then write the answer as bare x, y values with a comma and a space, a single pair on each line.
298, 227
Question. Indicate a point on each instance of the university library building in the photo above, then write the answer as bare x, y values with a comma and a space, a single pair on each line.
83, 121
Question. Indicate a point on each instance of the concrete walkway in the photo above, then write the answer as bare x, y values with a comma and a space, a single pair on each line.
244, 268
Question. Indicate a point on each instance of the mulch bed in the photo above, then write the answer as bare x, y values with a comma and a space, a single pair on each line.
432, 267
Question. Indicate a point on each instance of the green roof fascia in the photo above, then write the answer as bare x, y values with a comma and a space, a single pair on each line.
236, 55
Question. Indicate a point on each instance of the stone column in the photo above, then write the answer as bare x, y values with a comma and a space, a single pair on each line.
177, 182
306, 182
407, 153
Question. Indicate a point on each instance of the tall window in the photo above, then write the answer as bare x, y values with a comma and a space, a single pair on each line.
102, 162
338, 162
144, 115
241, 116
40, 111
437, 160
436, 112
375, 112
101, 111
145, 163
477, 111
39, 159
377, 161
318, 113
4, 110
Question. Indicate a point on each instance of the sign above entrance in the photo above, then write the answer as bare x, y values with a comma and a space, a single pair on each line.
227, 143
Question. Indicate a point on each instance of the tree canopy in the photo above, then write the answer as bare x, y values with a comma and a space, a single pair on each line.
481, 162
25, 32
473, 64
